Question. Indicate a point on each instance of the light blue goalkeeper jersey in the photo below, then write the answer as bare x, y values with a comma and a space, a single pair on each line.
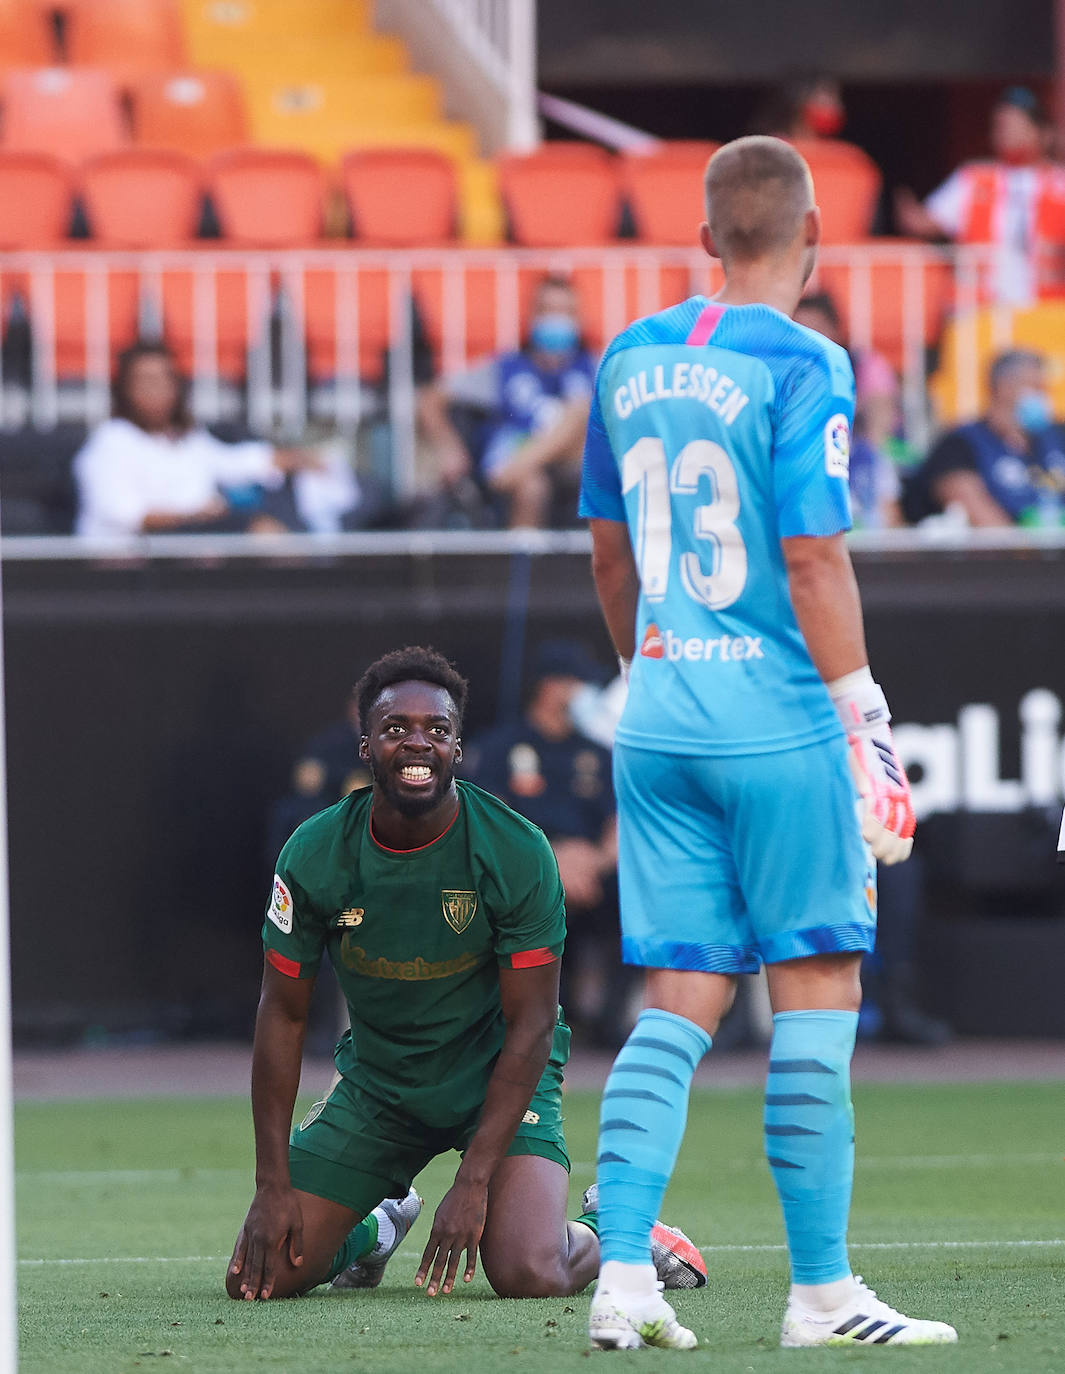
716, 431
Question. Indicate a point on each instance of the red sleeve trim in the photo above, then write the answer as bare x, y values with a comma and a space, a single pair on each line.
289, 967
532, 958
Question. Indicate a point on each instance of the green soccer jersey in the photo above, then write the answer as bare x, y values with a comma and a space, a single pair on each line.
416, 938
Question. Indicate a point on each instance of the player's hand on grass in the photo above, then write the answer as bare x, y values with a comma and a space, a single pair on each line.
457, 1227
274, 1219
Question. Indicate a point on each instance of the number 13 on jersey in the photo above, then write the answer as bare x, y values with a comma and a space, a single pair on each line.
645, 466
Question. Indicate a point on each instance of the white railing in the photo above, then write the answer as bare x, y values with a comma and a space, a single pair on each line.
295, 336
500, 37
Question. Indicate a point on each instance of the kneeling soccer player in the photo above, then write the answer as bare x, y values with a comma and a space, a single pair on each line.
444, 917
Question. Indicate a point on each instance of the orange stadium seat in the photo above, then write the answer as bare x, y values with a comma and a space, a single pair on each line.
204, 311
195, 112
664, 191
125, 36
142, 198
846, 183
267, 197
889, 293
329, 295
35, 200
401, 197
562, 194
71, 113
27, 38
77, 319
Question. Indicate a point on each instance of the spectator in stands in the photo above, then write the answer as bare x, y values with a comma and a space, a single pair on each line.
557, 778
150, 469
536, 401
807, 107
1008, 467
328, 768
1015, 203
874, 481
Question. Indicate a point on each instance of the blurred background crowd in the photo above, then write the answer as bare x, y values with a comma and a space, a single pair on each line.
225, 222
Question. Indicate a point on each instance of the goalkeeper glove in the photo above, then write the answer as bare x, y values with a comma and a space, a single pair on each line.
888, 822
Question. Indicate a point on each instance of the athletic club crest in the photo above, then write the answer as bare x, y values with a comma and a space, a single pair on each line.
459, 909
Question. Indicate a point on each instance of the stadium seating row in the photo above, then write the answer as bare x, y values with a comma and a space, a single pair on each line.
123, 35
82, 76
142, 198
564, 194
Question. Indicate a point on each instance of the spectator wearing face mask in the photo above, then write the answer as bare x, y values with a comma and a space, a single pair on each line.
807, 108
1014, 202
531, 408
1007, 468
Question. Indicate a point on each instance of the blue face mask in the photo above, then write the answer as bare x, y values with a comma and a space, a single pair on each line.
1032, 411
554, 333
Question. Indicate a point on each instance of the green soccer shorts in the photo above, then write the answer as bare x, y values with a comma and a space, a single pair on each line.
354, 1150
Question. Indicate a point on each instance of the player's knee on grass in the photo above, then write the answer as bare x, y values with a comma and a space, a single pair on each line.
528, 1274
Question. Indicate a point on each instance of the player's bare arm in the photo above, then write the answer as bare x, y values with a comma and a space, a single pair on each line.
529, 999
617, 582
274, 1219
824, 593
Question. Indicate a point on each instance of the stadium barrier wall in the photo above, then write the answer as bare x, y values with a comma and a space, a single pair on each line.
157, 700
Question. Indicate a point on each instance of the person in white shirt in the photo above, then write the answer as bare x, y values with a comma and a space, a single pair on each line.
151, 470
1014, 203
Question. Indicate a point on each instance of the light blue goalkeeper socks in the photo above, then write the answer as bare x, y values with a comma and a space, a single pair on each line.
641, 1125
809, 1137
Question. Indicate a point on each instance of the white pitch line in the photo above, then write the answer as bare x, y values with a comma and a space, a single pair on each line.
706, 1250
191, 1173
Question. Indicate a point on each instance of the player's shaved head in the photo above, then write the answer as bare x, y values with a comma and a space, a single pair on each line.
758, 190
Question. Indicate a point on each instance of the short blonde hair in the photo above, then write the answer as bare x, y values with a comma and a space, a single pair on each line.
757, 191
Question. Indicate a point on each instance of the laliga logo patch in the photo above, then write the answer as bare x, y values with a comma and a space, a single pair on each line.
652, 646
838, 447
280, 909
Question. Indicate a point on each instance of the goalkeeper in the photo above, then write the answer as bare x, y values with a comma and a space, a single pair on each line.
715, 479
443, 914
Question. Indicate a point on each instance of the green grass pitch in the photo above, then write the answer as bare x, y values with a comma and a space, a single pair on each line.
127, 1211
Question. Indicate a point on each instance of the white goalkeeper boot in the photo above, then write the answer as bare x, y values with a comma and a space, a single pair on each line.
621, 1319
861, 1320
367, 1272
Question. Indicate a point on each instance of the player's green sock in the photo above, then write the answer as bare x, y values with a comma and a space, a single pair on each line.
589, 1219
361, 1240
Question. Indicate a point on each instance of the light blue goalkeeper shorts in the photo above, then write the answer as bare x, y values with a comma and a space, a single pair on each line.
728, 863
